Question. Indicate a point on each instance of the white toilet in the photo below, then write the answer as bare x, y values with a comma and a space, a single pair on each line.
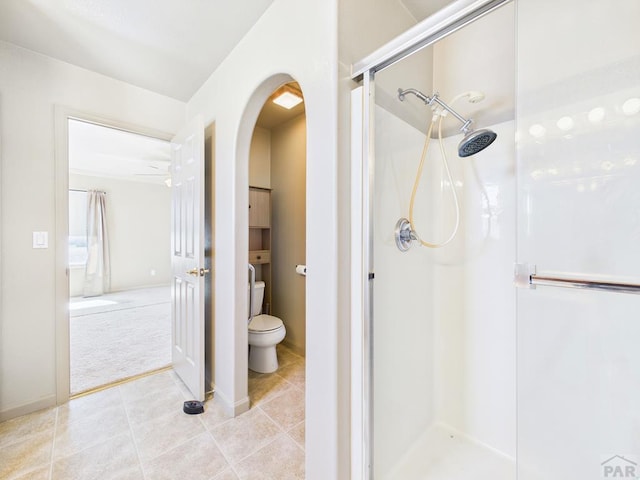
265, 332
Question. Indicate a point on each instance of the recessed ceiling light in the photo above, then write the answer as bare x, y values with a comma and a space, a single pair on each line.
287, 97
287, 100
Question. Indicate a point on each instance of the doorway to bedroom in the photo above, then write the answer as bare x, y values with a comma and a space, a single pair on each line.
119, 263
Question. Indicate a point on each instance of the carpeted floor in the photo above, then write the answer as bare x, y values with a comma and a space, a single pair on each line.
119, 335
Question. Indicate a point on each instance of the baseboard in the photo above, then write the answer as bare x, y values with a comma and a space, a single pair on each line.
294, 348
25, 409
233, 410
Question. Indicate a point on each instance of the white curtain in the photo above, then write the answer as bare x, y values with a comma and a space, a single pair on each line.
97, 276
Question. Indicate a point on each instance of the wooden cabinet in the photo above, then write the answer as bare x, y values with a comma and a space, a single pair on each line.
259, 208
260, 238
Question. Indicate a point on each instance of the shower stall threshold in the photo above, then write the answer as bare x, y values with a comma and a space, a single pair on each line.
443, 453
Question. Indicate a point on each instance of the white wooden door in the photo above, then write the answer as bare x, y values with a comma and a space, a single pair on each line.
187, 256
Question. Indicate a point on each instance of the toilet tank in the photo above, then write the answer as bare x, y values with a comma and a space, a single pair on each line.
258, 296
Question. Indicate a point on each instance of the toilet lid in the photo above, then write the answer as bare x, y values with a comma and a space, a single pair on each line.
264, 323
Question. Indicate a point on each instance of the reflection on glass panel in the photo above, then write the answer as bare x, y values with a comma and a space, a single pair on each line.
578, 216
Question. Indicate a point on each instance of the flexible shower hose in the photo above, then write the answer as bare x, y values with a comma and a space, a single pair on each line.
419, 176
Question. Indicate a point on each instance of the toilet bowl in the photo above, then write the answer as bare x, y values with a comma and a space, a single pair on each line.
265, 332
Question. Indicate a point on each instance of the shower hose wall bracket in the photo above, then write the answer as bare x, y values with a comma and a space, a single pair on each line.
404, 235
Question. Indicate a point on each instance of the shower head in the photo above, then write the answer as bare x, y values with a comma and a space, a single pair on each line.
476, 141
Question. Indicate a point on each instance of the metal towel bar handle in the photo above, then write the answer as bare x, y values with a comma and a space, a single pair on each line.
526, 276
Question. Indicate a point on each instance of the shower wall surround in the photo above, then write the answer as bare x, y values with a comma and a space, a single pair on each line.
444, 375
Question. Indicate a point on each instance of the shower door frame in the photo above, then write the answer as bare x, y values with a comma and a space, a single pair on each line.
439, 25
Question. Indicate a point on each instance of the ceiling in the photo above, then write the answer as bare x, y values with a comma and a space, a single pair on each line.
166, 46
142, 42
421, 9
100, 151
273, 115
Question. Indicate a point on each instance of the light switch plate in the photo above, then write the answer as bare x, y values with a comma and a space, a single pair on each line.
40, 239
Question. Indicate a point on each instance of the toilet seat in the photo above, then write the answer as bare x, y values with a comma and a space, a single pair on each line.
264, 324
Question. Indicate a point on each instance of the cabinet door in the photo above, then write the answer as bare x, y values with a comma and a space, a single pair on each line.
259, 208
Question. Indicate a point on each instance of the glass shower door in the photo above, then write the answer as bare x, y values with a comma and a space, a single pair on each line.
578, 151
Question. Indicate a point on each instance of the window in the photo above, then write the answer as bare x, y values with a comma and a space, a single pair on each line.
77, 228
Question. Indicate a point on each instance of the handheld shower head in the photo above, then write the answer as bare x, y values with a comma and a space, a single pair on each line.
476, 141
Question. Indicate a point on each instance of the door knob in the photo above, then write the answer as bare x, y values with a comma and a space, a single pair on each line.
198, 272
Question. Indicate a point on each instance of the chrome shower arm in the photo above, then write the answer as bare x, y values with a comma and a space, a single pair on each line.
466, 123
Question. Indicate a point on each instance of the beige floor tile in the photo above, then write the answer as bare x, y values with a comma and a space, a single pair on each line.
226, 475
280, 460
37, 474
294, 373
161, 434
154, 405
266, 387
114, 459
287, 410
286, 356
18, 458
88, 405
19, 429
214, 414
72, 436
105, 435
182, 388
197, 459
245, 434
155, 384
297, 434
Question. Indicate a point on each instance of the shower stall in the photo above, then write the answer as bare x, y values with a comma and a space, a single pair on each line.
495, 245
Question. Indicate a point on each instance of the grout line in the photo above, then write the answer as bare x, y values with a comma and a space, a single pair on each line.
282, 432
53, 444
228, 460
133, 437
303, 422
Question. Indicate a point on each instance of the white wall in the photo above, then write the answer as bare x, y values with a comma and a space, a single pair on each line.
288, 200
260, 158
363, 27
31, 86
278, 161
139, 226
265, 58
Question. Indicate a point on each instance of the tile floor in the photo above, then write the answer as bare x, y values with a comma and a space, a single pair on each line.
138, 431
